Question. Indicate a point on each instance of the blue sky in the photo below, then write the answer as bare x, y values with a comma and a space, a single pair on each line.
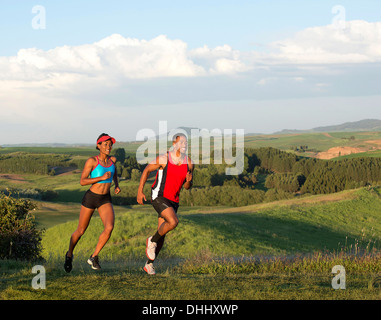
121, 66
241, 24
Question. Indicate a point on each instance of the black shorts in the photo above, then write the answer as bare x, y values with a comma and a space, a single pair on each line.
93, 200
161, 203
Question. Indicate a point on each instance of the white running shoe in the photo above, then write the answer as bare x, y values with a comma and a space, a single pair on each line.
150, 249
149, 268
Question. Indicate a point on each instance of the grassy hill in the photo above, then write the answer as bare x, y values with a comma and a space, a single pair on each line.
281, 250
305, 225
362, 125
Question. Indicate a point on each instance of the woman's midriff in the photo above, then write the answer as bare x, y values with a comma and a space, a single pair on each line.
101, 188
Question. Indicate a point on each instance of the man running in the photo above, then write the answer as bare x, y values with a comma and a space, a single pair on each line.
174, 170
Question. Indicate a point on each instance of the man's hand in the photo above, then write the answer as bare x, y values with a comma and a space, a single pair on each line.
189, 177
141, 196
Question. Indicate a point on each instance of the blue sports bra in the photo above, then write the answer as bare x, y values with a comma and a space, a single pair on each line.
100, 170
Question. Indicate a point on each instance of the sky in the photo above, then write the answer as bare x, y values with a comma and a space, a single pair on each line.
70, 70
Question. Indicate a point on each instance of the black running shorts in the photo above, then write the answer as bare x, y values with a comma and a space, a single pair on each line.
161, 203
93, 200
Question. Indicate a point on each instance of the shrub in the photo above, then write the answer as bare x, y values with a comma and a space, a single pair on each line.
19, 237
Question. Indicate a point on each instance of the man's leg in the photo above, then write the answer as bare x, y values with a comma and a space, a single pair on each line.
159, 242
168, 222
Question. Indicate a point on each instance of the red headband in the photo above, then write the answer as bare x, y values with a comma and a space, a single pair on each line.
105, 138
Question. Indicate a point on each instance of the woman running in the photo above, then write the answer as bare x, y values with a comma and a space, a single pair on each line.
99, 172
174, 170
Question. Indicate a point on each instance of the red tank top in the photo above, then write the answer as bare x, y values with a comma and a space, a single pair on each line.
169, 181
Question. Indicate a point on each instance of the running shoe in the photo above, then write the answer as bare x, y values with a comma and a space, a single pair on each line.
94, 262
150, 249
149, 268
68, 263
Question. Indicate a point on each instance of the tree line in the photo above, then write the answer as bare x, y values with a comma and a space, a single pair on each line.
269, 174
291, 173
21, 162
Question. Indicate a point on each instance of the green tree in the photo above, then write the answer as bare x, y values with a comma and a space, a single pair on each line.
120, 154
126, 173
135, 175
19, 236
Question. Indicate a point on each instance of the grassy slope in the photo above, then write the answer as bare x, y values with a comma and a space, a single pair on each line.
300, 225
349, 219
186, 267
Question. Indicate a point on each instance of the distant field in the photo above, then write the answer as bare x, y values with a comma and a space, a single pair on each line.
316, 142
79, 151
375, 154
75, 151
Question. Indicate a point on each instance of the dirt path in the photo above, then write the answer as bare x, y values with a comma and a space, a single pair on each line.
339, 151
327, 135
17, 178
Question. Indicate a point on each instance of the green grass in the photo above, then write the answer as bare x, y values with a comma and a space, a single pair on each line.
68, 181
281, 250
298, 226
299, 279
264, 251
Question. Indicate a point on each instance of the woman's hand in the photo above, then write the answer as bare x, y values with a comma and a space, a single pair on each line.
107, 175
117, 190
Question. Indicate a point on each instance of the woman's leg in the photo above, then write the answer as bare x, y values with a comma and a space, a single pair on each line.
84, 220
106, 212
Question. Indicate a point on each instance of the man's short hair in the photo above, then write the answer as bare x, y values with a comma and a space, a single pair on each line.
177, 135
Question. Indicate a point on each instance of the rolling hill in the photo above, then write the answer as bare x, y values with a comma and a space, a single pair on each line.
362, 125
304, 225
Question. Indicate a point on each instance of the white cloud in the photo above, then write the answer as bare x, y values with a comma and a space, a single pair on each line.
159, 57
358, 42
220, 60
116, 57
68, 88
266, 81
